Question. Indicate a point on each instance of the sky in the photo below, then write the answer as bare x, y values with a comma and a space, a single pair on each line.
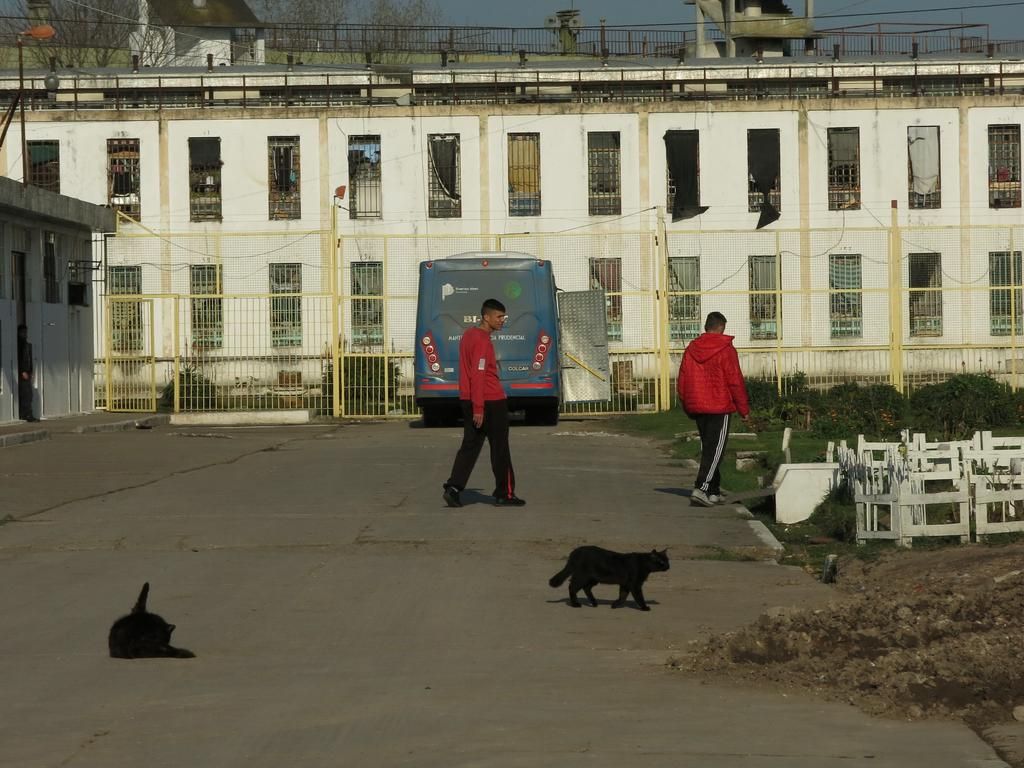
1006, 23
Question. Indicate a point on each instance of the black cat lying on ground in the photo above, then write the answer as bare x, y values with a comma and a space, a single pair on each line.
590, 566
141, 635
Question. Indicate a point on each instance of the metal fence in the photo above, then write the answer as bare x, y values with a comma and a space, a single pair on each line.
283, 321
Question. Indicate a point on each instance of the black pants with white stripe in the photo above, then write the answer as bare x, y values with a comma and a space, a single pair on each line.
495, 431
714, 433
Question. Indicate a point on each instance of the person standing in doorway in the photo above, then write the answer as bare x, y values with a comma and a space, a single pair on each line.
25, 370
711, 387
484, 411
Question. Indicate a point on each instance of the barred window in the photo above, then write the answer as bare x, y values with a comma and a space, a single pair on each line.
1005, 295
51, 279
843, 169
204, 176
124, 180
766, 141
444, 185
604, 173
44, 165
283, 167
286, 305
524, 174
606, 275
1004, 166
764, 303
207, 306
924, 168
684, 316
846, 310
125, 315
368, 313
925, 294
364, 177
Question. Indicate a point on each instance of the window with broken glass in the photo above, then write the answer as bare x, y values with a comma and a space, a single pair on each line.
283, 168
444, 185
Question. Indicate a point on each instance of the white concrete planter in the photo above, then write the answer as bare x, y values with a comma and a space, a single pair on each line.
799, 488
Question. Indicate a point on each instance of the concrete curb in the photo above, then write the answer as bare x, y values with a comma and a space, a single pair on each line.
125, 425
241, 418
20, 438
761, 531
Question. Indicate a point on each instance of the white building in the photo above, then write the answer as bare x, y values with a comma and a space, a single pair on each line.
193, 33
932, 145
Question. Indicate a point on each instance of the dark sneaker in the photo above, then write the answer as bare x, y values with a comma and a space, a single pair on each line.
451, 496
508, 501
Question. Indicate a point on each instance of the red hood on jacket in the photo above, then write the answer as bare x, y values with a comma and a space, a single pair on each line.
707, 345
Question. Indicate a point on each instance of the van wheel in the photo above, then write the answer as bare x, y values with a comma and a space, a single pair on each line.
542, 415
432, 417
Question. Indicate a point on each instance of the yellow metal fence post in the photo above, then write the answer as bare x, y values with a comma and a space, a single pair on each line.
895, 302
662, 321
108, 328
334, 302
1014, 310
778, 314
177, 354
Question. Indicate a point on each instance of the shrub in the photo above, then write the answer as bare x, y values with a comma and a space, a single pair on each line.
965, 403
850, 409
195, 391
836, 515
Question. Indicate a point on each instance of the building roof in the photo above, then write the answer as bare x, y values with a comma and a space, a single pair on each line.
204, 13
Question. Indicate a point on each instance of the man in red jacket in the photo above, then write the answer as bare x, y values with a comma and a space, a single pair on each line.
484, 411
711, 387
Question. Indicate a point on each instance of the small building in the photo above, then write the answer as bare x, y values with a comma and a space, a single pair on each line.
186, 32
46, 263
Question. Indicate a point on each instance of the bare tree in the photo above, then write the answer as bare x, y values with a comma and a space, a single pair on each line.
303, 25
102, 33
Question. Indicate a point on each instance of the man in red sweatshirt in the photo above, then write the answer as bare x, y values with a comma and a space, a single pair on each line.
484, 411
711, 387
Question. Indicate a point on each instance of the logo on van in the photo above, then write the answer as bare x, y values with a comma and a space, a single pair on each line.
450, 290
513, 290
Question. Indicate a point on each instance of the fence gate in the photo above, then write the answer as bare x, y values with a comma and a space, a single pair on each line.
583, 321
130, 361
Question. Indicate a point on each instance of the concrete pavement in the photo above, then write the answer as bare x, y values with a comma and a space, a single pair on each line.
342, 616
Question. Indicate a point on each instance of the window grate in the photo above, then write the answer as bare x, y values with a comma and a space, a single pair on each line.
124, 180
204, 179
286, 309
754, 196
207, 306
846, 311
444, 185
364, 177
524, 174
606, 275
1005, 302
924, 174
51, 280
604, 173
283, 168
44, 165
764, 303
125, 316
843, 169
1004, 166
368, 313
925, 294
684, 316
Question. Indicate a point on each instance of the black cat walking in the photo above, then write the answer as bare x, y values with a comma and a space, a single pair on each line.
589, 566
484, 411
142, 634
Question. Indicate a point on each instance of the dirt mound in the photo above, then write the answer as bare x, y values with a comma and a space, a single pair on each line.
929, 634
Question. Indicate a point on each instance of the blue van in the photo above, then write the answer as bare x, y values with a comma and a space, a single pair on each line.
527, 348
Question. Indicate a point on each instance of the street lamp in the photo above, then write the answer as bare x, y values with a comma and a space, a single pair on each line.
39, 32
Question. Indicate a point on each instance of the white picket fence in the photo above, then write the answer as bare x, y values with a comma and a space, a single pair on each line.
916, 488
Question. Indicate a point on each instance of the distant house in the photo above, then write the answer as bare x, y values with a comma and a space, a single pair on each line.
185, 32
